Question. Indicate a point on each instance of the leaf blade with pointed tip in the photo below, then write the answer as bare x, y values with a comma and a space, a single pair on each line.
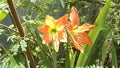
83, 57
3, 14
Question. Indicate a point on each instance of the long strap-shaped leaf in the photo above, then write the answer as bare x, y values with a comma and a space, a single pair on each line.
114, 56
83, 57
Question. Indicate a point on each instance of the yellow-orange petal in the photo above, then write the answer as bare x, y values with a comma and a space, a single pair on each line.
74, 17
49, 21
84, 27
61, 21
46, 39
69, 26
83, 38
56, 45
75, 43
62, 35
43, 28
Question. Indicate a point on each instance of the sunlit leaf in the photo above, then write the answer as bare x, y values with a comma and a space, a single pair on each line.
23, 45
62, 3
3, 14
1, 31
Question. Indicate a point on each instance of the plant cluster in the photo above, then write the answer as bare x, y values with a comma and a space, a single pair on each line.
59, 34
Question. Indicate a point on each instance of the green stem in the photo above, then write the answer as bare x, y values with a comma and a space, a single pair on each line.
72, 59
12, 18
67, 59
54, 59
27, 65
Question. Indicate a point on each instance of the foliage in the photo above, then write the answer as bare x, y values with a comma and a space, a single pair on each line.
5, 63
3, 11
28, 50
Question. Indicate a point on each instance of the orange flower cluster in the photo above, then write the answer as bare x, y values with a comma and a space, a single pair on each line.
54, 30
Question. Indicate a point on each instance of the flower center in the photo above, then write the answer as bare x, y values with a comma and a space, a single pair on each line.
74, 32
53, 30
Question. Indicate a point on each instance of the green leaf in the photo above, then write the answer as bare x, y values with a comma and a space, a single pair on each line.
62, 3
1, 31
83, 57
114, 57
23, 45
3, 14
11, 38
11, 58
15, 48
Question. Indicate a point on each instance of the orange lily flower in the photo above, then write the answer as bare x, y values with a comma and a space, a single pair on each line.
53, 31
77, 33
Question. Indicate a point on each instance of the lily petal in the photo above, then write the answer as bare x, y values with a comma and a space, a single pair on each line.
61, 21
74, 17
46, 39
75, 43
62, 36
56, 45
83, 38
43, 28
49, 21
84, 27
